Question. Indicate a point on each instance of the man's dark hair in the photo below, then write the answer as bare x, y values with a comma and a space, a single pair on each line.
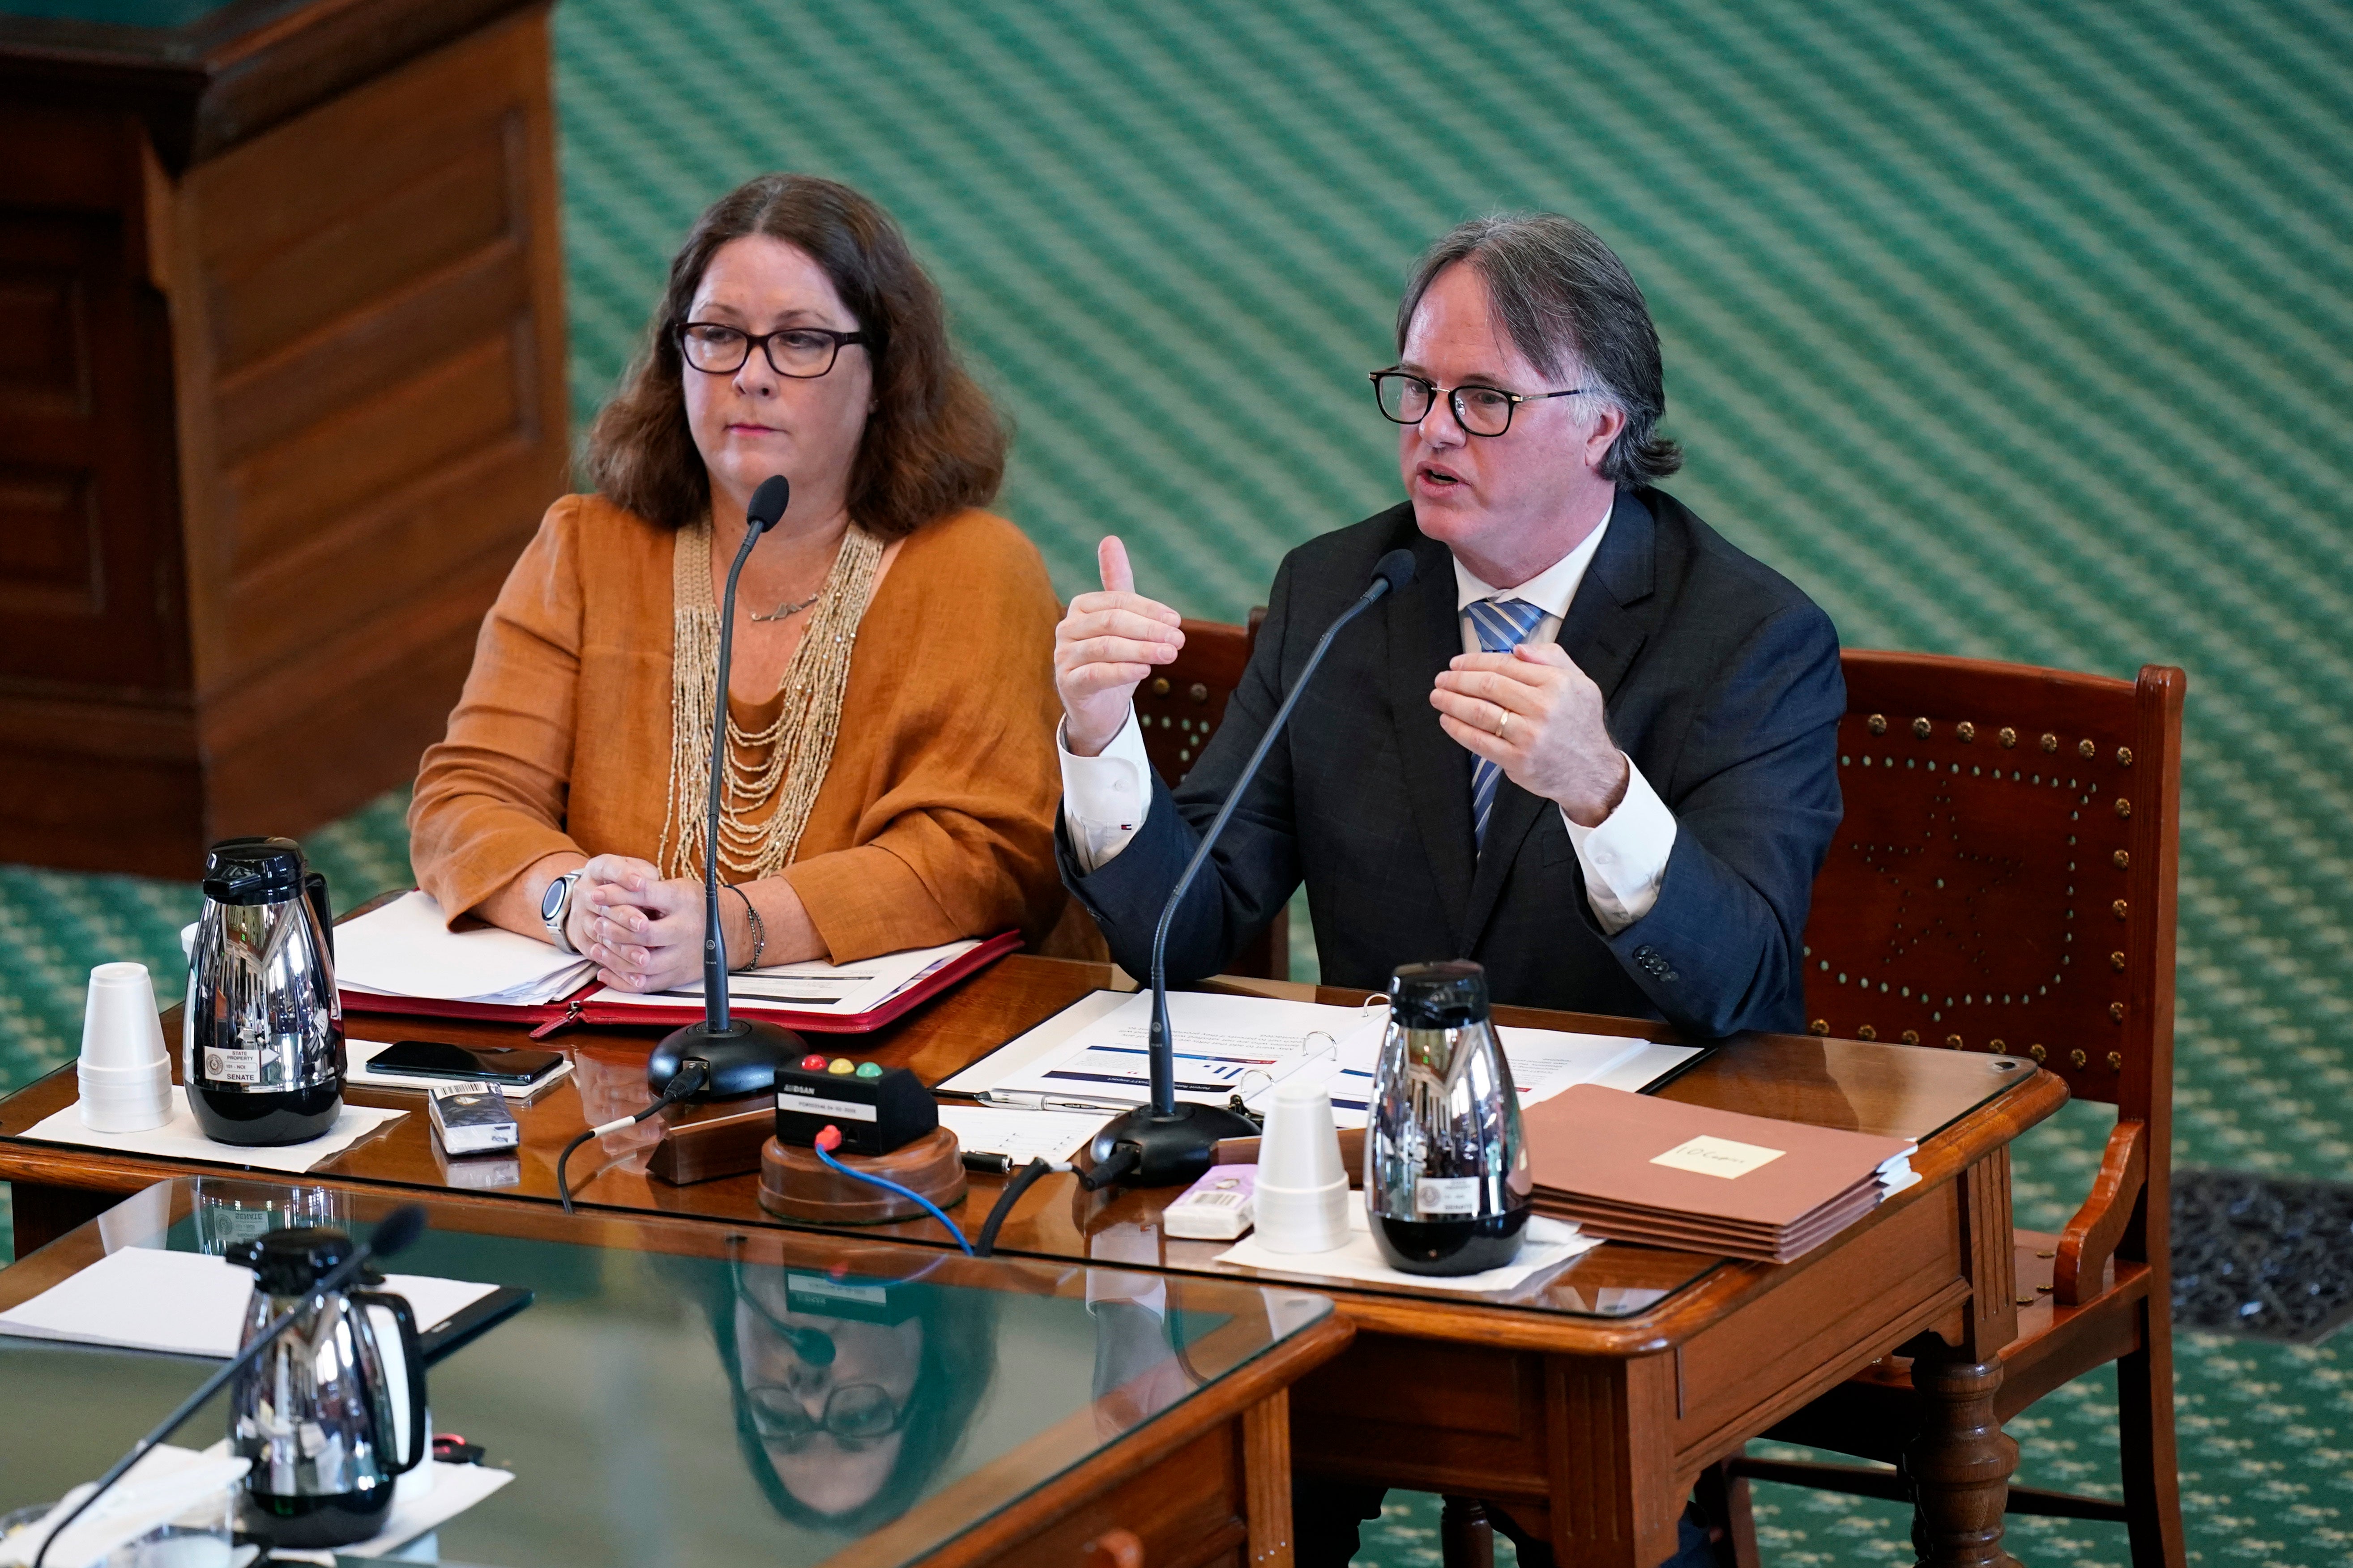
1572, 308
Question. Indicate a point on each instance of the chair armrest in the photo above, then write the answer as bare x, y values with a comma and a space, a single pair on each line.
2090, 1239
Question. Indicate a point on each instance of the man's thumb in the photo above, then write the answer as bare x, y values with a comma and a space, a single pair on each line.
1111, 555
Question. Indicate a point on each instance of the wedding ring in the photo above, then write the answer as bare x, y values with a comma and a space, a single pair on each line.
1504, 729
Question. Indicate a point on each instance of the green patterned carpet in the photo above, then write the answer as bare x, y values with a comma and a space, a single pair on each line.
2013, 330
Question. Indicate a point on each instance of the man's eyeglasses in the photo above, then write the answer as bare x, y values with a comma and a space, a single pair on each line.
802, 353
857, 1412
1407, 399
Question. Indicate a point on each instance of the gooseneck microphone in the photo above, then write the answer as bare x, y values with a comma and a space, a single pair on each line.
740, 1056
400, 1227
1165, 1143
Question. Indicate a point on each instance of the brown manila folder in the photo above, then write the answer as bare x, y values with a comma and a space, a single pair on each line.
1633, 1167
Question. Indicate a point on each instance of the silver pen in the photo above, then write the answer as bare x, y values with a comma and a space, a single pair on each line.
1013, 1100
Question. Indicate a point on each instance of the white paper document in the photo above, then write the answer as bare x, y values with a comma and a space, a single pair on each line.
405, 949
847, 989
1021, 1136
1548, 1243
182, 1138
187, 1304
1095, 1050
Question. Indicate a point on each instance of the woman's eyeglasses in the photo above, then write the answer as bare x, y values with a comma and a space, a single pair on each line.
803, 353
857, 1412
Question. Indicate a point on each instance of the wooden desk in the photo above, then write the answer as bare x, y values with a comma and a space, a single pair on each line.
1019, 1446
1585, 1406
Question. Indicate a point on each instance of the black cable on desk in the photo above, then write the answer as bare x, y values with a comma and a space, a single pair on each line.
987, 1245
685, 1081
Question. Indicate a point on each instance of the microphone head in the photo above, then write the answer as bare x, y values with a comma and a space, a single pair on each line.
400, 1227
1395, 569
768, 503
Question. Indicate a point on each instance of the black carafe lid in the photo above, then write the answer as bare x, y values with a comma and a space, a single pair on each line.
253, 870
290, 1262
1449, 994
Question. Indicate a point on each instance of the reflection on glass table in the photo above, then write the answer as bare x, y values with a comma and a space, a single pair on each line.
680, 1394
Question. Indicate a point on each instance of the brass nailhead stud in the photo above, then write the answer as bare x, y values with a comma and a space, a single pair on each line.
1953, 1042
2124, 756
1996, 1047
2077, 1058
1911, 1037
2046, 1254
1818, 1026
2009, 737
1866, 1032
1921, 727
1160, 685
2115, 1061
2121, 907
1200, 693
1966, 731
2049, 742
2085, 748
2037, 1052
2124, 806
2117, 1011
2123, 858
1876, 723
2116, 961
2042, 1290
2026, 1301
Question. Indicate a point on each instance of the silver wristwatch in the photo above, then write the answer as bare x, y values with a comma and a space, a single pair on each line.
555, 904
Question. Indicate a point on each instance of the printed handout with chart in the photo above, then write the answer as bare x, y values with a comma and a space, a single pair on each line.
1094, 1054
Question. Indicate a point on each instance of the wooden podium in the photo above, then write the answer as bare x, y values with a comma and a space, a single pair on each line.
282, 396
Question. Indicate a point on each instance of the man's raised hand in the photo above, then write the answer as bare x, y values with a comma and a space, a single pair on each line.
1106, 645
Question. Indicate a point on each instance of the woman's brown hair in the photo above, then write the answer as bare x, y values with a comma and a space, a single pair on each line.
932, 445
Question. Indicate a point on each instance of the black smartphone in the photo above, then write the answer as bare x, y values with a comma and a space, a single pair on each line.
490, 1063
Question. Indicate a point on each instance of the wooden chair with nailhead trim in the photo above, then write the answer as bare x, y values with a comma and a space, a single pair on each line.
2003, 881
1179, 708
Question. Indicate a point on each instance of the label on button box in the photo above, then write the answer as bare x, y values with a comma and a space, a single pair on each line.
809, 1103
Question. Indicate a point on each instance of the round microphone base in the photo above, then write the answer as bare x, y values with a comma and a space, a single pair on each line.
1172, 1150
744, 1057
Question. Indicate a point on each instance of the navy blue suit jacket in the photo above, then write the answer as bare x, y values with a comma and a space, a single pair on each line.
1721, 681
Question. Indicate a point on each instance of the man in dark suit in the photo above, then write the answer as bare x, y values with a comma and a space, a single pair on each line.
1592, 745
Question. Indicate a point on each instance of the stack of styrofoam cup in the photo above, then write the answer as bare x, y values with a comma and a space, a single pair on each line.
1301, 1195
126, 1078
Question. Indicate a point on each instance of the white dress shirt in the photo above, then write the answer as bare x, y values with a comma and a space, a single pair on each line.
1105, 797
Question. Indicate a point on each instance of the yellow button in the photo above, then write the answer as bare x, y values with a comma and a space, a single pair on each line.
840, 1065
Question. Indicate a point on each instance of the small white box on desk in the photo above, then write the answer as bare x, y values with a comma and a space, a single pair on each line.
472, 1119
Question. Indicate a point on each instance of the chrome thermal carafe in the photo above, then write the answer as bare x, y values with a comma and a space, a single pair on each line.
1446, 1168
263, 1050
318, 1414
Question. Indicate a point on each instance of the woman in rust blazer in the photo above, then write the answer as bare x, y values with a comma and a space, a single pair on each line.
891, 780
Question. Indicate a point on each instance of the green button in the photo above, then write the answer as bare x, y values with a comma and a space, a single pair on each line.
869, 1069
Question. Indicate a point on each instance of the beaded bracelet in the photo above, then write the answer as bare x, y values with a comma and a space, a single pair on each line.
759, 930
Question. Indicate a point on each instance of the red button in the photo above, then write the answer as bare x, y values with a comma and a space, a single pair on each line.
812, 1063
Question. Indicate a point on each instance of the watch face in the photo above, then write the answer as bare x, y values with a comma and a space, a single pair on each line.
551, 902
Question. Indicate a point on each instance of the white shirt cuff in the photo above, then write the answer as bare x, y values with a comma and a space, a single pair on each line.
1105, 797
1625, 858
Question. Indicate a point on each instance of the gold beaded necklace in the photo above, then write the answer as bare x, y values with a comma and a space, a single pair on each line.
794, 748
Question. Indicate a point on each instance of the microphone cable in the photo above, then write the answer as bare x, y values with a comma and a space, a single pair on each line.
690, 1077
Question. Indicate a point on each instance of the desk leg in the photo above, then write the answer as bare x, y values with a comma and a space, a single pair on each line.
1466, 1539
1960, 1464
1266, 1467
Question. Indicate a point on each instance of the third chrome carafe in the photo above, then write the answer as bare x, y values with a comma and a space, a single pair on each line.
1445, 1169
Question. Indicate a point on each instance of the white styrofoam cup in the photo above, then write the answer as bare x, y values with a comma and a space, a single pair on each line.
126, 1075
1300, 1202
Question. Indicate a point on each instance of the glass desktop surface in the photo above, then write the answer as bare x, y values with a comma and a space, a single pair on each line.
619, 1395
155, 15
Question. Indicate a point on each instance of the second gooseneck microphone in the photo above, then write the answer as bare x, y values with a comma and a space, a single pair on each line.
740, 1055
1165, 1143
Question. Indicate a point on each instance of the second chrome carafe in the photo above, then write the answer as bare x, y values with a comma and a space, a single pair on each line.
1446, 1168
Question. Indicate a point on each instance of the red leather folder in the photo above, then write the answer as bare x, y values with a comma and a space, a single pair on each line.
547, 1017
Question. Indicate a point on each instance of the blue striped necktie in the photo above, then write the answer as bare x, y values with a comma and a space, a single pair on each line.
1503, 626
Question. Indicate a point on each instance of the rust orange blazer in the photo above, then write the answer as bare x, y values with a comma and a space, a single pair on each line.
935, 820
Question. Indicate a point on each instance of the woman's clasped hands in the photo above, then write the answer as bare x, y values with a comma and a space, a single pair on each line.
643, 929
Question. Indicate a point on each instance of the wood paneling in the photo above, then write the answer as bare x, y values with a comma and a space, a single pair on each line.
275, 421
